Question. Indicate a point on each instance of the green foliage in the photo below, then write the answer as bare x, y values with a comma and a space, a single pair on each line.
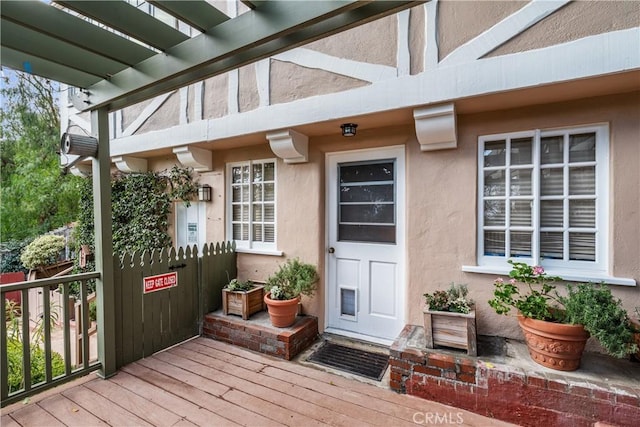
602, 315
236, 285
141, 204
292, 279
42, 251
10, 259
35, 196
536, 302
455, 299
14, 350
587, 304
14, 356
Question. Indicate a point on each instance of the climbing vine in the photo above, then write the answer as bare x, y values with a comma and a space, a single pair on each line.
141, 204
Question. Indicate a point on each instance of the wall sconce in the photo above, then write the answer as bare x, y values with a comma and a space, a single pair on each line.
348, 129
204, 193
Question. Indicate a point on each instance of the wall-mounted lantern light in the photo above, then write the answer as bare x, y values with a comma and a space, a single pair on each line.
204, 193
348, 129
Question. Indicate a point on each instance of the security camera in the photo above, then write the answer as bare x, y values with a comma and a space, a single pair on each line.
79, 145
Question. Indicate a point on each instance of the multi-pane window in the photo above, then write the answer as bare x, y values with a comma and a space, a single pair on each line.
253, 204
542, 198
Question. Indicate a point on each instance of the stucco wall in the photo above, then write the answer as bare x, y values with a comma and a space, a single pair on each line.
461, 21
443, 238
576, 20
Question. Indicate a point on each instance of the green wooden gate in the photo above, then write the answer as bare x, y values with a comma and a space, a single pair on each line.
162, 296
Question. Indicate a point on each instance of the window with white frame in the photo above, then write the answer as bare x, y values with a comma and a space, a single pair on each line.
542, 198
251, 211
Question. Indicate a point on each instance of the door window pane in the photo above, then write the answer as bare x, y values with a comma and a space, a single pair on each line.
551, 182
520, 182
366, 206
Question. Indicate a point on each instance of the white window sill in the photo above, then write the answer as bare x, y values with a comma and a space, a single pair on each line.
572, 276
259, 251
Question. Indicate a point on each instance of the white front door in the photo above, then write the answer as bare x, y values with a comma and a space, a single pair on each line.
365, 243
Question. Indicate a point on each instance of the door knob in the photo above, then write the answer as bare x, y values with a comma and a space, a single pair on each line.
331, 250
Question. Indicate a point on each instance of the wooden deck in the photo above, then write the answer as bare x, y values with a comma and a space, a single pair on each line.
208, 383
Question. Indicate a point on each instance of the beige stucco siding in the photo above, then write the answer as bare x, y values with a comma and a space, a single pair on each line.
375, 42
461, 21
215, 103
290, 82
131, 113
166, 116
576, 20
417, 41
440, 207
247, 88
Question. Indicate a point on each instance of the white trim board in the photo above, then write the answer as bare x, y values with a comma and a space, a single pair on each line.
598, 55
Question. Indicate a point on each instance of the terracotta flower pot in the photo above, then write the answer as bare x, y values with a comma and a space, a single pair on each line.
282, 312
554, 345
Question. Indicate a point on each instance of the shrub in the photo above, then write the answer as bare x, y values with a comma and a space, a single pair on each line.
42, 251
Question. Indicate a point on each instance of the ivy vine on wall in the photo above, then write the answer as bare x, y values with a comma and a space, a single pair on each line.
140, 204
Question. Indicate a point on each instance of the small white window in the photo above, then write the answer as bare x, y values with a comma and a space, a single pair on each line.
542, 198
252, 204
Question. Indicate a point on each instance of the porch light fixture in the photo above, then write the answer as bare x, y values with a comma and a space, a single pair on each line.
348, 129
204, 193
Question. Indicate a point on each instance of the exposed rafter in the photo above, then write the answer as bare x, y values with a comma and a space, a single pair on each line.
198, 14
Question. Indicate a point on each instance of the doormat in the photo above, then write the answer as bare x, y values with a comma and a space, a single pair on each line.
352, 360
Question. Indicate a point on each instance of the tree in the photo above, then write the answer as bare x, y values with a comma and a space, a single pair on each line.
35, 197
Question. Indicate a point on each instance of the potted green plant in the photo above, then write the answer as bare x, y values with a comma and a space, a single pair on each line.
557, 327
450, 319
242, 298
42, 257
284, 287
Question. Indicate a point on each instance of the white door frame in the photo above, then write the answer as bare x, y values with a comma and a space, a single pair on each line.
398, 152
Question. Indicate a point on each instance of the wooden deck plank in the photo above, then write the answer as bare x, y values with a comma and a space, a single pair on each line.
278, 413
301, 406
342, 393
363, 413
209, 383
180, 405
69, 413
237, 414
198, 397
138, 405
102, 408
34, 415
249, 364
7, 421
218, 368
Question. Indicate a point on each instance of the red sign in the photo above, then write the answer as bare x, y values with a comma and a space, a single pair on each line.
160, 282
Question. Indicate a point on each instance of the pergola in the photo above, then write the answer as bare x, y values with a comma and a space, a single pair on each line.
117, 55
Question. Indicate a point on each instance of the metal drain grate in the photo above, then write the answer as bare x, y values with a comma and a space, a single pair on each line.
353, 360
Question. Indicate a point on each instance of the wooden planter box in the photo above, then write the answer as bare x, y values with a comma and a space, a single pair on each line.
243, 303
456, 330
